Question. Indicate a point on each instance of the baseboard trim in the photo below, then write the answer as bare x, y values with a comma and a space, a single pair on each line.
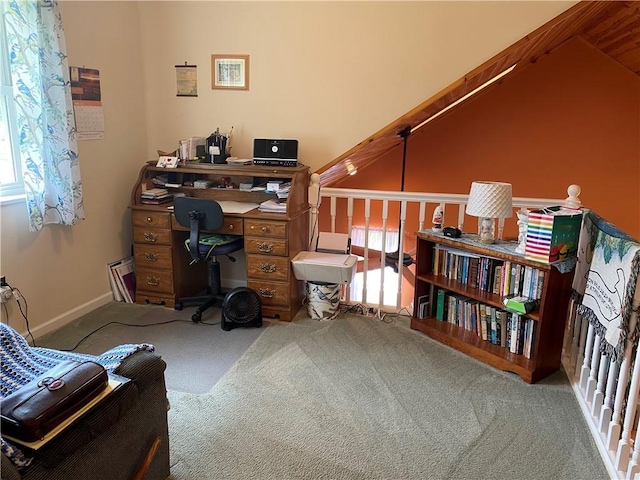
70, 315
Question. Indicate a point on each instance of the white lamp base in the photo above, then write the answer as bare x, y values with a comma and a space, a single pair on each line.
486, 230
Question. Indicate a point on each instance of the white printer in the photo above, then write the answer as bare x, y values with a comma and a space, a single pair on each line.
331, 263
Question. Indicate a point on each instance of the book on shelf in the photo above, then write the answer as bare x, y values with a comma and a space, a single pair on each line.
441, 305
423, 306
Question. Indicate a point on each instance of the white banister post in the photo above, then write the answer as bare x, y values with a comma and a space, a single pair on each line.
400, 264
584, 371
624, 447
314, 203
577, 357
573, 199
593, 371
367, 217
334, 201
607, 408
383, 251
598, 396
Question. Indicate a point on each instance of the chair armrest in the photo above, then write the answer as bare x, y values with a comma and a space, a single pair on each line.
8, 470
143, 367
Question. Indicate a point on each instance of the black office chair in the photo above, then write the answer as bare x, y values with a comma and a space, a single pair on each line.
204, 214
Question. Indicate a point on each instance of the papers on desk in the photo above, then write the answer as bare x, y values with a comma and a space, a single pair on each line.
271, 206
236, 207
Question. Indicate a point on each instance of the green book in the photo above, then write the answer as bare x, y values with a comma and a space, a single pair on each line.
440, 305
521, 304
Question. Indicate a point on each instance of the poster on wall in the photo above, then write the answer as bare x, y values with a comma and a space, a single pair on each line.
87, 103
186, 80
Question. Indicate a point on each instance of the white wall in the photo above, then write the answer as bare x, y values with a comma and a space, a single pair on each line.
61, 271
327, 73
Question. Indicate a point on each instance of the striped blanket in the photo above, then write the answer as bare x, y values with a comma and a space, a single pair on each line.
605, 283
20, 363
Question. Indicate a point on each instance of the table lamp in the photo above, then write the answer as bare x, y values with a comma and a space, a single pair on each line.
488, 201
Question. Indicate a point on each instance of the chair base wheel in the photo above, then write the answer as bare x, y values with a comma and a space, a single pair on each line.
196, 317
178, 306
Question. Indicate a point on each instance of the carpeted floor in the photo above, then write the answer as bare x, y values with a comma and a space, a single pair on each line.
359, 399
197, 354
355, 398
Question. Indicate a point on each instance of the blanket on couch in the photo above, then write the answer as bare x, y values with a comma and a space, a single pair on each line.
20, 363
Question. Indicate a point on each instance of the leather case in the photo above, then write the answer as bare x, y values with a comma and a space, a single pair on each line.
35, 409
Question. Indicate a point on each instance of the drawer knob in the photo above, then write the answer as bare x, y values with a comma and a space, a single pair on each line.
267, 293
268, 267
149, 219
230, 227
155, 281
265, 229
150, 237
265, 247
152, 257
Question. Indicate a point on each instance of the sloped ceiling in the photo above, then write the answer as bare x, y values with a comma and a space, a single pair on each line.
612, 27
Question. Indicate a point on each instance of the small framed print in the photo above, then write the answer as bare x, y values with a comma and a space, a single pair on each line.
230, 72
167, 162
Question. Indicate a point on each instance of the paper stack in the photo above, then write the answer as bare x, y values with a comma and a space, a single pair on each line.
283, 191
156, 196
272, 206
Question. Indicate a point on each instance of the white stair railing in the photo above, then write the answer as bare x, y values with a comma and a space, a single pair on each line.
607, 393
425, 202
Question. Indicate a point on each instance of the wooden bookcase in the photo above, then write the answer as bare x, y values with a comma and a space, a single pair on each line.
550, 318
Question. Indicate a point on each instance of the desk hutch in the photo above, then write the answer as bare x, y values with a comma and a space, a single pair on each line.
163, 266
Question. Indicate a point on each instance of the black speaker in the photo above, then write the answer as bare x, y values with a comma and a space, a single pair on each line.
241, 307
275, 152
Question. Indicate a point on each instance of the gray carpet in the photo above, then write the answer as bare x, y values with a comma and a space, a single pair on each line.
353, 398
197, 354
359, 399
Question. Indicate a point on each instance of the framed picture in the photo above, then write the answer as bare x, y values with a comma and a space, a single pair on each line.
230, 72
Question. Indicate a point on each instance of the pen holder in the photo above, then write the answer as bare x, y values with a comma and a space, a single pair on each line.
220, 159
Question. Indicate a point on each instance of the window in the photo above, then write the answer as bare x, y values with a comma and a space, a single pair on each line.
10, 165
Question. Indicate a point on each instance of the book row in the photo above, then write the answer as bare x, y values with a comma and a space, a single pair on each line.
503, 328
501, 277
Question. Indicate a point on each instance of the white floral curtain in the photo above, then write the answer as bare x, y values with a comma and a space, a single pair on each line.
46, 123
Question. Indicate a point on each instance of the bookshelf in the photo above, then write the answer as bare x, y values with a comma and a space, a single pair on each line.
532, 358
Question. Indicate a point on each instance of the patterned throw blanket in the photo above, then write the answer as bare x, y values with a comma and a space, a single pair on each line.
20, 363
605, 283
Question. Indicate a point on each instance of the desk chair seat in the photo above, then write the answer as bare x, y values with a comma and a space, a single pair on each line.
204, 214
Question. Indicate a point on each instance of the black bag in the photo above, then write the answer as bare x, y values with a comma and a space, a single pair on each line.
35, 409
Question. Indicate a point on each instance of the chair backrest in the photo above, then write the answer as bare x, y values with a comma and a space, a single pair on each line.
197, 214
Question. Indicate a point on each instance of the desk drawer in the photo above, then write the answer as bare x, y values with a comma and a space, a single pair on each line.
271, 293
154, 281
151, 219
266, 229
267, 246
152, 256
155, 236
232, 226
267, 267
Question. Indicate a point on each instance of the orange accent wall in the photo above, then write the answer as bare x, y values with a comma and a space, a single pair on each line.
572, 117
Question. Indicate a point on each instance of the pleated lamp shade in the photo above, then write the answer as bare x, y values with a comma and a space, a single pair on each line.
490, 200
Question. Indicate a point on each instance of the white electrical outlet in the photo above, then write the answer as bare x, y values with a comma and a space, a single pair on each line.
6, 294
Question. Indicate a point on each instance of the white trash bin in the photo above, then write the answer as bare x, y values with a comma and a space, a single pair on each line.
323, 300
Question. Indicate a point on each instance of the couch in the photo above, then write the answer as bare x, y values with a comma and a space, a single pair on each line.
113, 439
